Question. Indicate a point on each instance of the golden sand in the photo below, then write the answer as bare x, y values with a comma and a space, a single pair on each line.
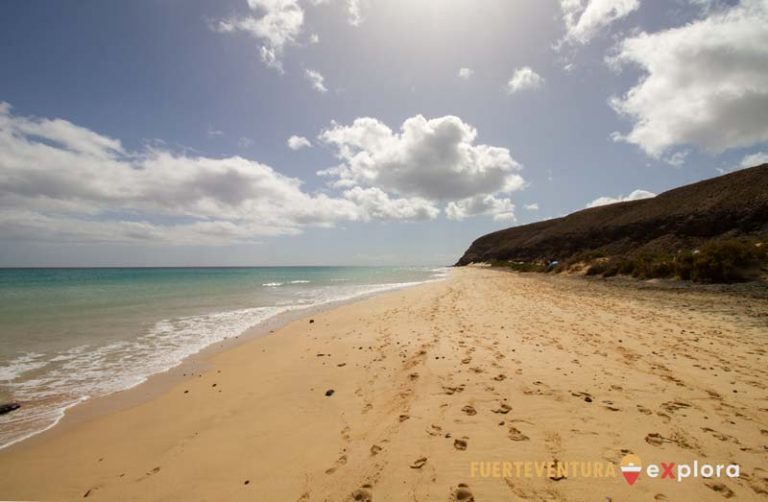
488, 386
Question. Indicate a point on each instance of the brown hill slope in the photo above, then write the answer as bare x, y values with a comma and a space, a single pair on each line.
731, 205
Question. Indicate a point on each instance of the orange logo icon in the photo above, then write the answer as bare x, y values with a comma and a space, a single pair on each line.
631, 466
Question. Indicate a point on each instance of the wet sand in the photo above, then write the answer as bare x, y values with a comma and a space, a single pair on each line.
457, 390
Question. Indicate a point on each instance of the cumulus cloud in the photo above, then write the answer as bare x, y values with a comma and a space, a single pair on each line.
704, 84
62, 181
317, 80
466, 73
377, 204
585, 18
298, 142
524, 78
635, 195
433, 159
532, 207
500, 208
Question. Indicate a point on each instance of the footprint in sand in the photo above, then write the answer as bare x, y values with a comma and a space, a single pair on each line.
460, 444
642, 409
435, 430
584, 395
503, 409
500, 377
469, 410
363, 494
655, 439
150, 473
516, 435
721, 489
462, 493
342, 460
375, 449
419, 463
673, 406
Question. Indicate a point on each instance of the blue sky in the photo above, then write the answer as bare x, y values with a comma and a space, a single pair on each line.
156, 133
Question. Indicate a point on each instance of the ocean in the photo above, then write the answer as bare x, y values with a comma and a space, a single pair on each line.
67, 335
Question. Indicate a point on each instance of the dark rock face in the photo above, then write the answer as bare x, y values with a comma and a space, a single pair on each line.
9, 407
731, 205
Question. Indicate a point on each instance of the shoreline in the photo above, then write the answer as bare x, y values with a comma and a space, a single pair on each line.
479, 369
155, 384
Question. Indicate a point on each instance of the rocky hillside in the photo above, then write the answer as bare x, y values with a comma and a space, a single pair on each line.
732, 205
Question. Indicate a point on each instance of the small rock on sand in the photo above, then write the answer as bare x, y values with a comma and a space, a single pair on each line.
9, 407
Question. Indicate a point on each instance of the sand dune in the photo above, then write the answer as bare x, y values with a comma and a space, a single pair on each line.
438, 391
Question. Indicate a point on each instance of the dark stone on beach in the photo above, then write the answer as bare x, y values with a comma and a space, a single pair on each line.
9, 407
588, 399
329, 392
311, 321
247, 482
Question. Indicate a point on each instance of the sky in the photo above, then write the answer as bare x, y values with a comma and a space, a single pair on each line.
356, 132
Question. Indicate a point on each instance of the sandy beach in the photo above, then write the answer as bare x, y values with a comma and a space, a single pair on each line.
486, 386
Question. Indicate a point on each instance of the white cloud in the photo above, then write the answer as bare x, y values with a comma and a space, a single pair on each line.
377, 204
635, 195
317, 80
755, 159
275, 23
355, 12
677, 159
298, 142
75, 139
61, 181
466, 73
434, 159
585, 18
500, 208
524, 78
214, 132
532, 207
244, 142
705, 83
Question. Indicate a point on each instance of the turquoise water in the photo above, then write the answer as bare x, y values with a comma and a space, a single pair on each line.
70, 334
